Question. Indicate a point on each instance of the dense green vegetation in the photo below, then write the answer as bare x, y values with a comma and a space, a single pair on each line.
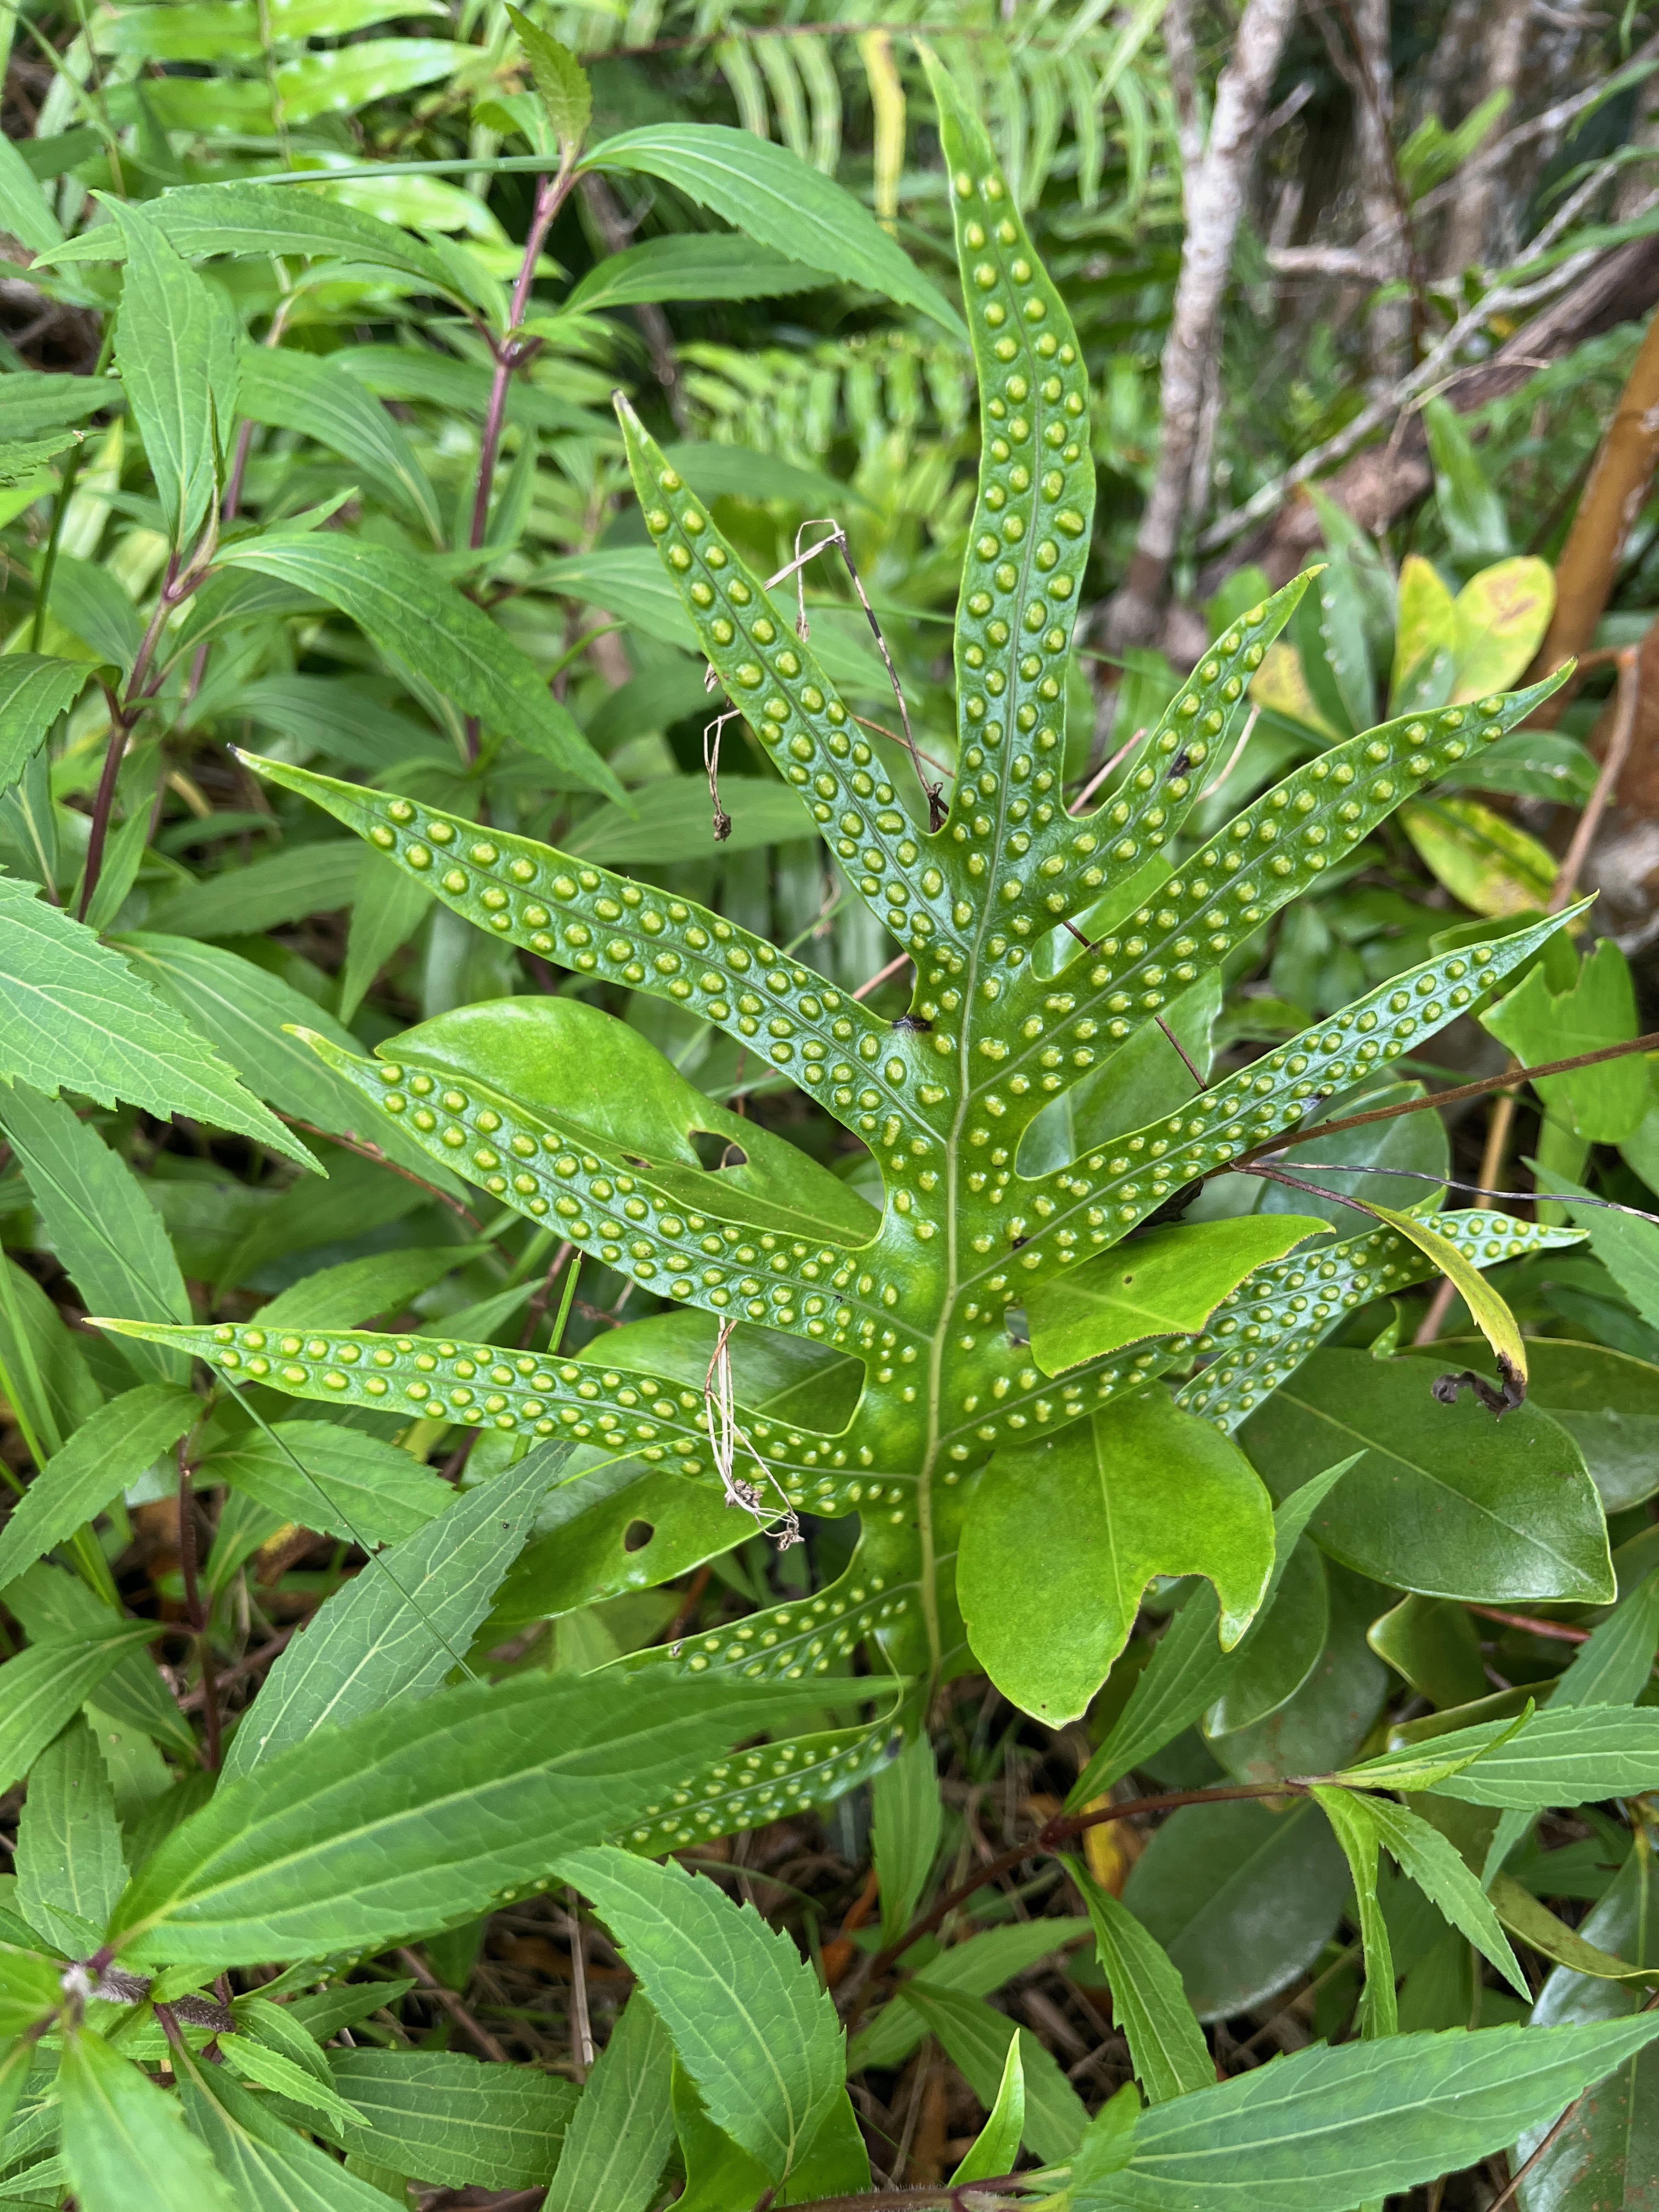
829, 1309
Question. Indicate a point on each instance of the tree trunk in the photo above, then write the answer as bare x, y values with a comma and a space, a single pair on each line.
1389, 331
1215, 199
1471, 209
1614, 496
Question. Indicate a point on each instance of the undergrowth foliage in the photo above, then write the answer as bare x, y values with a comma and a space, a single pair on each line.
1037, 1380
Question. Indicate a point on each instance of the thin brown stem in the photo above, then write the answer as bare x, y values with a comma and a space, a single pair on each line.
1050, 1838
365, 1151
200, 1614
1506, 1081
1558, 1632
1506, 2195
1629, 698
581, 2026
965, 2197
511, 352
453, 2006
254, 1663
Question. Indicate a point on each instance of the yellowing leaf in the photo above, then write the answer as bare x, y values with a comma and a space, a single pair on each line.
1484, 861
1280, 686
1491, 1316
1501, 617
1427, 617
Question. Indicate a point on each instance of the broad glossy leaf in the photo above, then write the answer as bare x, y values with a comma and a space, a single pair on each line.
905, 1805
1325, 2130
413, 615
768, 192
1188, 1670
399, 1627
977, 2037
125, 2142
74, 1016
1289, 1635
749, 2021
1167, 1282
1242, 1900
1538, 1927
44, 1684
337, 1480
109, 1450
1433, 1643
422, 1814
620, 2132
1425, 623
450, 2118
99, 1221
697, 265
1605, 1103
1444, 1500
1062, 1539
1148, 2002
69, 1860
35, 690
1331, 1713
1606, 2157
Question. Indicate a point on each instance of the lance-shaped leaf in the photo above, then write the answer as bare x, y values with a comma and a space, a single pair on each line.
267, 2163
1491, 1316
304, 392
176, 348
1349, 1815
245, 218
109, 1451
1435, 1866
44, 1684
749, 2020
620, 2133
1325, 2130
450, 2118
1171, 2057
1141, 1490
35, 690
975, 2036
421, 1816
996, 2147
126, 2144
73, 1016
1539, 1928
403, 606
70, 1862
1573, 1756
398, 1629
779, 202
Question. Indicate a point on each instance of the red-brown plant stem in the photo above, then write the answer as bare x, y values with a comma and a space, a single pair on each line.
1049, 1836
200, 1616
254, 1663
963, 2197
512, 351
1506, 1081
365, 1151
1559, 1631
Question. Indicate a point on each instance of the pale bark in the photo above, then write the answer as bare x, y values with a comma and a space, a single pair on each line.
1469, 228
1215, 199
1389, 328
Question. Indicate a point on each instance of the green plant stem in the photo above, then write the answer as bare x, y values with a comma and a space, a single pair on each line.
60, 508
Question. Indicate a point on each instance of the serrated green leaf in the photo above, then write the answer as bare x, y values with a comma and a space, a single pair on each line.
125, 2142
35, 690
176, 349
1148, 2002
399, 602
1574, 1756
332, 1479
975, 2036
420, 1815
697, 265
1358, 1835
776, 199
974, 1967
73, 1016
44, 1684
295, 391
620, 2133
1325, 2129
109, 1450
560, 83
1435, 1866
272, 2069
395, 1631
267, 2164
748, 2019
452, 2118
99, 1221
